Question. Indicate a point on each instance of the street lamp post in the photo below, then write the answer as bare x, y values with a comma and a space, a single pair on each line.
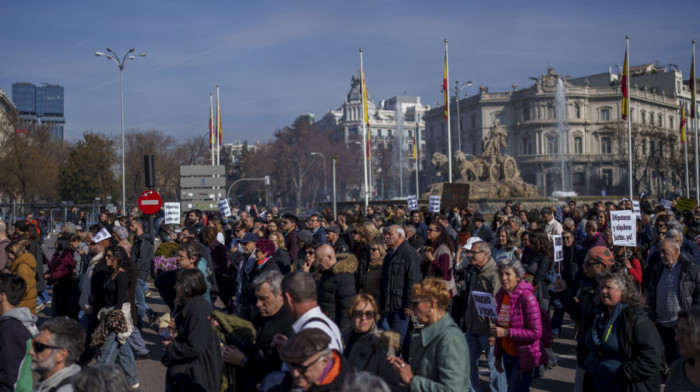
325, 188
456, 90
120, 63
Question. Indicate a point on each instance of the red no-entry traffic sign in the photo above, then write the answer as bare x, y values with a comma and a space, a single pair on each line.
150, 202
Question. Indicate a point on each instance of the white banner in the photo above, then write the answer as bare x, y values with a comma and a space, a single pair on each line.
624, 228
636, 209
172, 213
412, 201
101, 235
558, 247
665, 203
434, 205
224, 208
484, 304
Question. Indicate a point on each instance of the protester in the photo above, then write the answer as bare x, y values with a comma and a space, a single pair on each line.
17, 328
482, 275
337, 285
264, 249
373, 279
101, 378
437, 259
622, 349
210, 236
281, 257
289, 226
60, 275
483, 231
519, 327
366, 346
115, 292
193, 357
363, 237
684, 374
55, 351
22, 264
505, 248
142, 256
437, 352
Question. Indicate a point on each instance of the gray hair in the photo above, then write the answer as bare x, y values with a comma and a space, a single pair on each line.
674, 225
365, 381
68, 334
675, 234
398, 230
121, 232
591, 223
514, 265
300, 285
409, 228
630, 294
484, 246
672, 242
568, 221
101, 378
273, 278
516, 220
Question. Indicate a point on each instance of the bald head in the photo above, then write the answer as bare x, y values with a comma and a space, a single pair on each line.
325, 256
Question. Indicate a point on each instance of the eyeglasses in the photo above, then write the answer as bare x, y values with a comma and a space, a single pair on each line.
472, 253
309, 253
358, 314
109, 255
39, 347
429, 229
302, 369
375, 249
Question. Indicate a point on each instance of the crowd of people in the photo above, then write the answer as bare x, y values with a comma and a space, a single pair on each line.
379, 300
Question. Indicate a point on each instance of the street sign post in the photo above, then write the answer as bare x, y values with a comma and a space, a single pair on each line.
150, 202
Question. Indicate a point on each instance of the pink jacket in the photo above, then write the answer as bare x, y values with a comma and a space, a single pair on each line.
525, 325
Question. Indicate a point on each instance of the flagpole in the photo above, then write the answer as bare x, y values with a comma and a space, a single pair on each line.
629, 118
695, 128
416, 143
364, 137
685, 149
446, 83
218, 126
211, 126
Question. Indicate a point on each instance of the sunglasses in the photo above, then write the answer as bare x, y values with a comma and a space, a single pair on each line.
358, 314
39, 347
309, 253
303, 368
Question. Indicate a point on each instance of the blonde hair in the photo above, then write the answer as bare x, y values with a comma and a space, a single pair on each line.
364, 297
278, 239
18, 248
432, 288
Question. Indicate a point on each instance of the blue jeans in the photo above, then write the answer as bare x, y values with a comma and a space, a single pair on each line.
477, 344
42, 298
517, 382
398, 322
137, 344
558, 316
111, 349
141, 308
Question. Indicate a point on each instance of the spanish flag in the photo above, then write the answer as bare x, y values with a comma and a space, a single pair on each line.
415, 143
625, 89
218, 119
211, 123
683, 121
691, 86
368, 147
445, 90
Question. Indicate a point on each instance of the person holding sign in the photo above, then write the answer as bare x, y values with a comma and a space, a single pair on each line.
482, 276
518, 329
436, 361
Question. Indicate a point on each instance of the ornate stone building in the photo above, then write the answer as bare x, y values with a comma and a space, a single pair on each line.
591, 142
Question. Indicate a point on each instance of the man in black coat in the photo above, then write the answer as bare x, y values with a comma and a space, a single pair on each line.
334, 239
337, 285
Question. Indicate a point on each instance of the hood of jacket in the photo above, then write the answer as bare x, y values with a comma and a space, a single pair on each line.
25, 316
347, 262
26, 258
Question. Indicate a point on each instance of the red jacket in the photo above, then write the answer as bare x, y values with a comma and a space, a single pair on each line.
61, 266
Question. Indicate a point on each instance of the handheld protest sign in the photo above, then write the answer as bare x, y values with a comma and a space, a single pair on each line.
412, 202
624, 228
434, 205
172, 213
484, 304
101, 235
224, 209
558, 242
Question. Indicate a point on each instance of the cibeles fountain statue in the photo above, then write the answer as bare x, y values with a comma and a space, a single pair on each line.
489, 174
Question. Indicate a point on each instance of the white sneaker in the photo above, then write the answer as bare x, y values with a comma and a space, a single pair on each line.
136, 386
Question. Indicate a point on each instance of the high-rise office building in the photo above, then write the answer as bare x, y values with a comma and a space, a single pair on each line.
40, 106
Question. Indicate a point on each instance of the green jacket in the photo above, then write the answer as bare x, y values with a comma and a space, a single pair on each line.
439, 358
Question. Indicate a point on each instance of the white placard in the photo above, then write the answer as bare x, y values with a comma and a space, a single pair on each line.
172, 213
224, 208
412, 201
636, 209
624, 228
558, 242
665, 203
101, 235
434, 205
484, 304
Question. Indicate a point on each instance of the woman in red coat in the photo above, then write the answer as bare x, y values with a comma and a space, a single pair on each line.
60, 275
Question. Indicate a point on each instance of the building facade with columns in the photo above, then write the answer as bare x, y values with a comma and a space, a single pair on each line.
393, 122
590, 139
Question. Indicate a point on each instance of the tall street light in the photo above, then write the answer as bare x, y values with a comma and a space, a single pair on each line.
456, 90
325, 188
112, 55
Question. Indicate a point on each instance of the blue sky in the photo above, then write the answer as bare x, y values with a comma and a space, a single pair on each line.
275, 60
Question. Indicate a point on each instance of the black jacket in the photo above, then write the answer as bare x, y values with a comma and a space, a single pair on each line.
401, 270
337, 288
268, 359
194, 358
340, 246
283, 260
688, 290
142, 254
